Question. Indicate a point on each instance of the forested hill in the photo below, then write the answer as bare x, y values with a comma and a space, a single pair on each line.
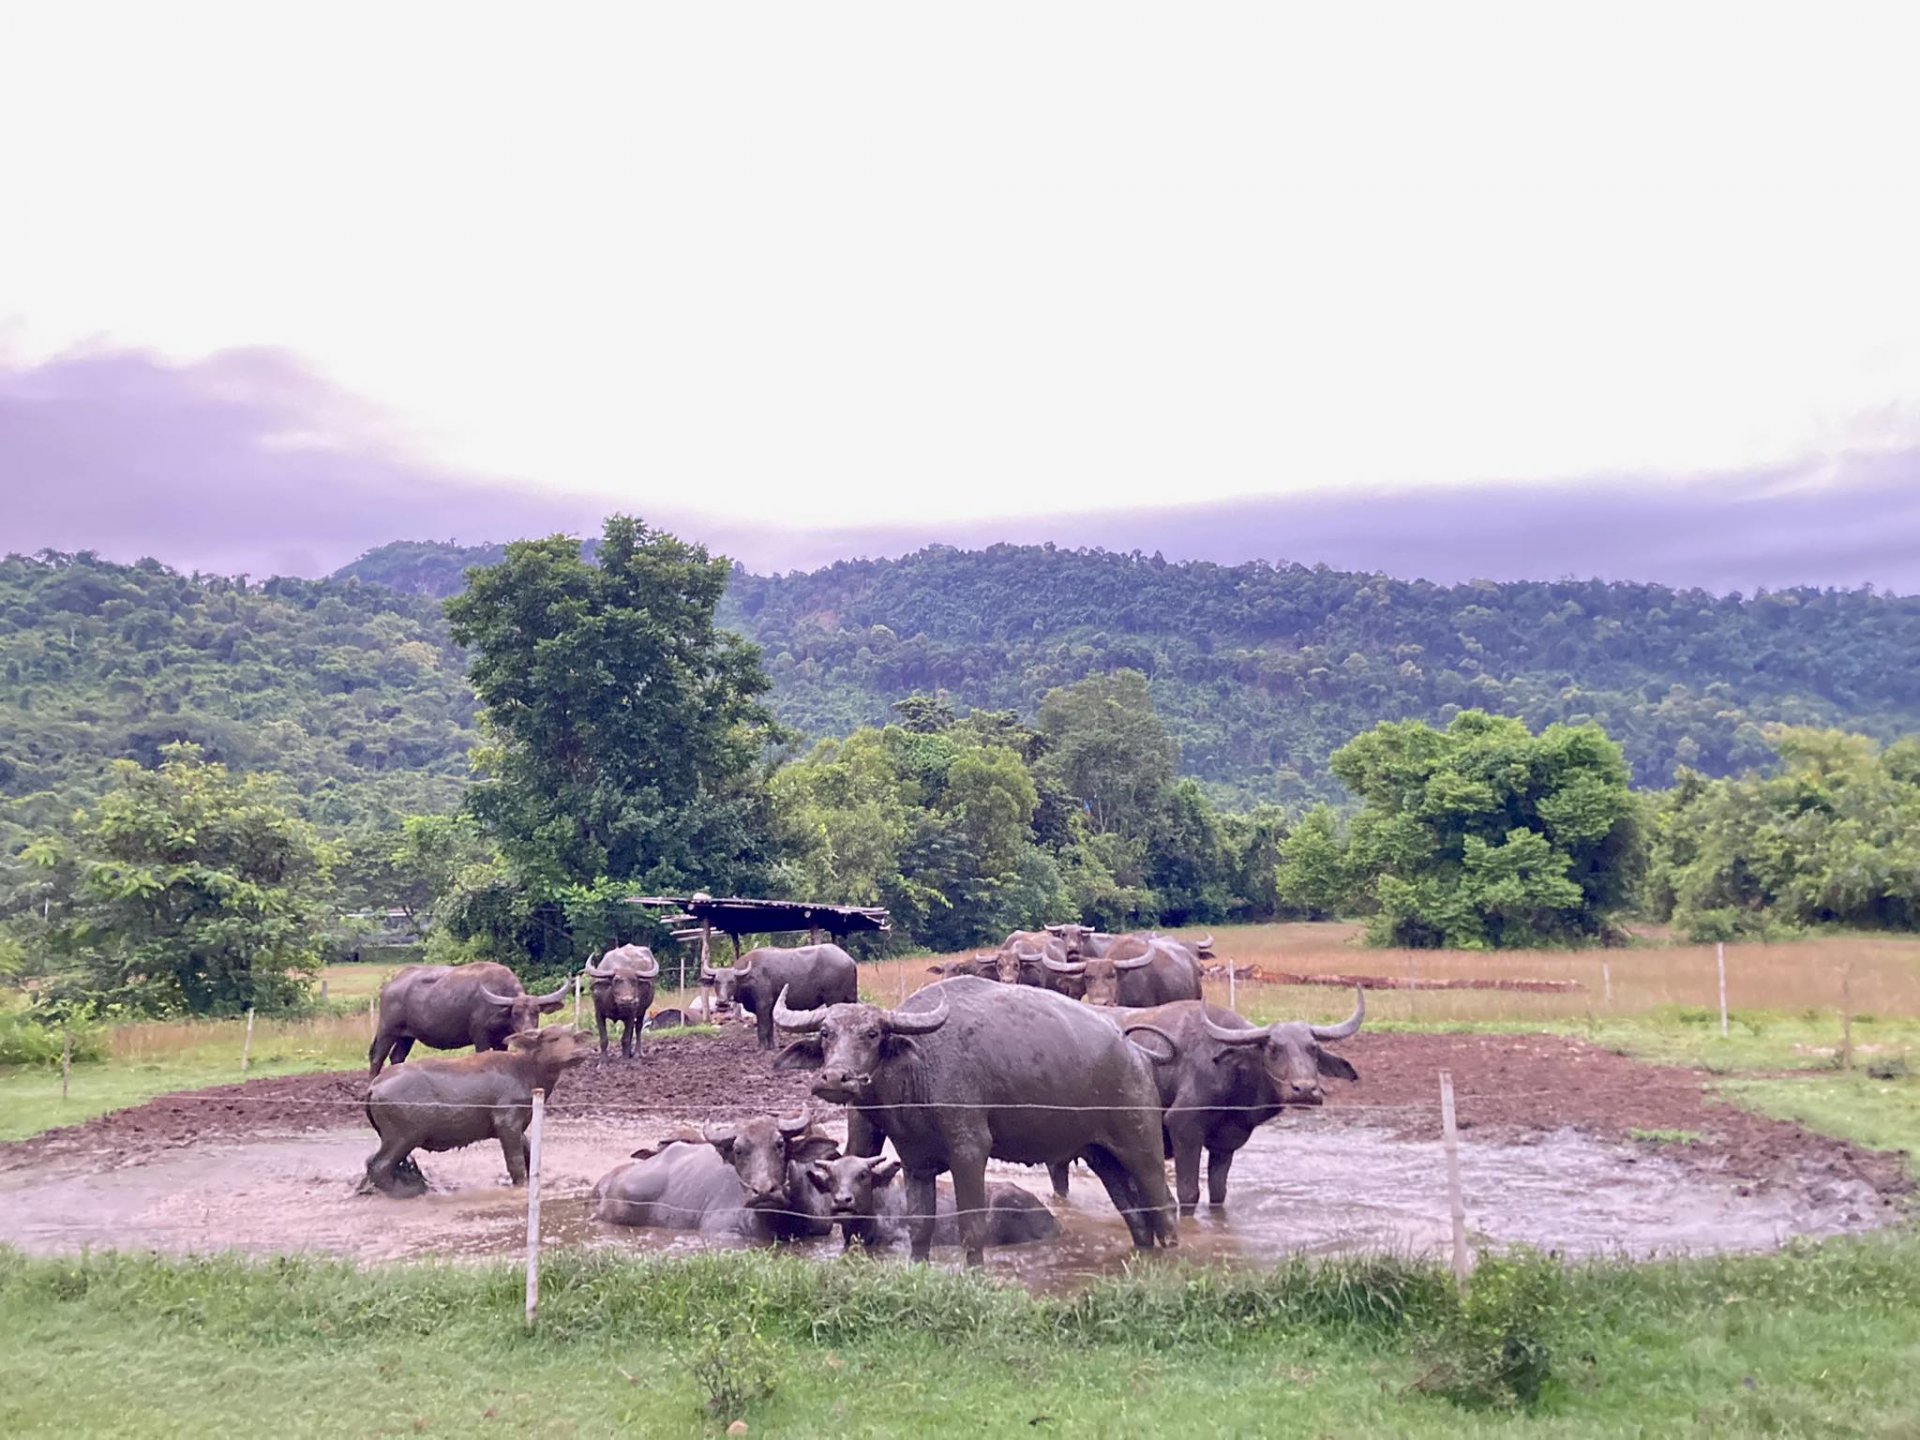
1261, 671
353, 692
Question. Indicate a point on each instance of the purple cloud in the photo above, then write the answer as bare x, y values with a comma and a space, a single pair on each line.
247, 461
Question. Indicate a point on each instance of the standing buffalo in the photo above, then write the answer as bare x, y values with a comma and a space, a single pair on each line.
871, 1211
1137, 971
623, 991
448, 1006
966, 1071
443, 1104
816, 974
742, 1180
1228, 1077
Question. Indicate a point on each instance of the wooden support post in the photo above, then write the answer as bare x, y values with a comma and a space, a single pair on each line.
1413, 987
323, 989
1846, 1017
576, 1002
1606, 979
1720, 960
1456, 1202
901, 966
1233, 988
813, 934
246, 1046
533, 1207
66, 1060
373, 1016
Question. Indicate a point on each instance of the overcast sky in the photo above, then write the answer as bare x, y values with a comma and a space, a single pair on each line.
828, 267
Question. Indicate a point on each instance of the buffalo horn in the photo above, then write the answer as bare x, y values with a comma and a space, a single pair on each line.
1135, 963
801, 1020
554, 997
1252, 1035
1055, 929
652, 965
496, 998
594, 972
1347, 1026
718, 1134
1205, 947
1063, 967
709, 975
797, 1125
1142, 1027
915, 1022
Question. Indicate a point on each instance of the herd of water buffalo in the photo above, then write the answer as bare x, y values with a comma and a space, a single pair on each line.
1064, 1044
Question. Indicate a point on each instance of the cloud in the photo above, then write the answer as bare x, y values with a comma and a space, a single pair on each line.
248, 461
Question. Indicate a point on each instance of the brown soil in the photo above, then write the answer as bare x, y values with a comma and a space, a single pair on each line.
1512, 1085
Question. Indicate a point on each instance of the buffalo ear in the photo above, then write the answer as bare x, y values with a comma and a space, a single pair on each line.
1336, 1066
819, 1176
551, 1007
815, 1148
884, 1170
896, 1047
807, 1054
522, 1040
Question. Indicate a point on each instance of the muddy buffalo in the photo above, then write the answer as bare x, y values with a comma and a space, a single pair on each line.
745, 1179
872, 1211
446, 1103
966, 1071
1137, 971
450, 1006
1227, 1077
816, 974
623, 991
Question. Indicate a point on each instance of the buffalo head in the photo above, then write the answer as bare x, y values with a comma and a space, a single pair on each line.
624, 976
1078, 942
523, 1010
1099, 979
849, 1183
1290, 1052
725, 980
761, 1148
847, 1043
561, 1046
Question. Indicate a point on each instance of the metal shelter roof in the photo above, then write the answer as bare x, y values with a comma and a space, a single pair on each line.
695, 913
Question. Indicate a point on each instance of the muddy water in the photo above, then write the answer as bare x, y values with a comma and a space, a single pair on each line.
1305, 1185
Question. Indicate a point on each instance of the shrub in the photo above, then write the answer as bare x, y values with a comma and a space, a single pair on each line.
26, 1042
1495, 1349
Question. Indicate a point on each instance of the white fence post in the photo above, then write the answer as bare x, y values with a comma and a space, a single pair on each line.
576, 1002
1606, 979
66, 1060
1846, 1017
533, 1207
1456, 1202
1720, 960
1233, 988
246, 1046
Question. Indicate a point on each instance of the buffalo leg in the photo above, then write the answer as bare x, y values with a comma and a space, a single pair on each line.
601, 1020
1187, 1139
763, 1023
1219, 1162
920, 1203
864, 1138
1124, 1194
389, 1170
377, 1052
970, 1201
402, 1048
513, 1146
1058, 1175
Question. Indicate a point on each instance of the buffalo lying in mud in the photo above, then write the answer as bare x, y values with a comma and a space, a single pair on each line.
745, 1179
623, 991
816, 974
872, 1211
443, 1104
966, 1071
1228, 1077
450, 1006
1137, 971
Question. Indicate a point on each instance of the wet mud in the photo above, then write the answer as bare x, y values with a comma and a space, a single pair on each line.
274, 1166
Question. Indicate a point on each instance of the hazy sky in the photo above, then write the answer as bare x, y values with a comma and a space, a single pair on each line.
825, 265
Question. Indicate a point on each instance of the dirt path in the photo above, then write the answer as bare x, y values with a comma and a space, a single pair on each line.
1513, 1087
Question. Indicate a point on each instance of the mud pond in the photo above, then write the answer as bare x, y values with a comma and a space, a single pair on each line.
1304, 1185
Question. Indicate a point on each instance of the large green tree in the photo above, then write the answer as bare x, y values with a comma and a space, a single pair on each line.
187, 888
624, 730
1480, 835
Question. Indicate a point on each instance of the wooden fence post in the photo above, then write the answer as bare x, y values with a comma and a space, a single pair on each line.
323, 989
576, 1002
1846, 1017
373, 1016
533, 1207
1413, 987
246, 1046
1606, 980
66, 1060
1720, 960
1456, 1202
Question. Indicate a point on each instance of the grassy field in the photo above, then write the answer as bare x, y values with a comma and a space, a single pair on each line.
1819, 1342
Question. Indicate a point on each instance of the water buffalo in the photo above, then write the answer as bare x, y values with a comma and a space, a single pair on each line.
1228, 1076
1137, 971
871, 1211
448, 1006
623, 991
443, 1104
741, 1180
817, 975
966, 1071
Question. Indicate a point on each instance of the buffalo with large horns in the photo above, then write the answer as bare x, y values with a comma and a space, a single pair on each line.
448, 1006
623, 991
966, 1071
816, 975
1137, 971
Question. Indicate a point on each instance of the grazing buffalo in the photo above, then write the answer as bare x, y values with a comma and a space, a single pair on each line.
1137, 971
742, 1180
443, 1104
817, 975
872, 1211
966, 1071
1227, 1077
623, 991
448, 1006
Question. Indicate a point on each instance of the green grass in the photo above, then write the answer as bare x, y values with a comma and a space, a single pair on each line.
1821, 1341
1880, 1114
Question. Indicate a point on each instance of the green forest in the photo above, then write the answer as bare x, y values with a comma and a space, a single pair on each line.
504, 740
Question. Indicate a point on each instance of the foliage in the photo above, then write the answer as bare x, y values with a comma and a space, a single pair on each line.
734, 1368
25, 1041
1480, 835
186, 888
1496, 1348
1832, 838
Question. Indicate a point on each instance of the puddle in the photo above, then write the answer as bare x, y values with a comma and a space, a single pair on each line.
1298, 1186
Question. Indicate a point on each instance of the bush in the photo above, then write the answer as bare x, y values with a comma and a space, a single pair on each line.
735, 1370
1495, 1349
26, 1042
